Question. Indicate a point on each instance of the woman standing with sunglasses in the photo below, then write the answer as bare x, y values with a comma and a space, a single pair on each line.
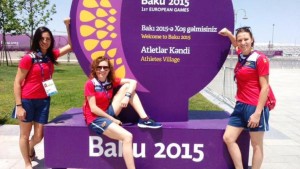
102, 106
250, 111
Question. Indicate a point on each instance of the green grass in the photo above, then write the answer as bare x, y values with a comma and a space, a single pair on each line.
69, 80
199, 102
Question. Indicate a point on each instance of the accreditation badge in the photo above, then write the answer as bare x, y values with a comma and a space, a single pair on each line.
50, 87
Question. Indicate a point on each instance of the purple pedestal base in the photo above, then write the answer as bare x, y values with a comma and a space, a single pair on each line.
196, 143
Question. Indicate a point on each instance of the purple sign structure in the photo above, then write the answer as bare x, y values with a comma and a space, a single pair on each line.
193, 144
171, 47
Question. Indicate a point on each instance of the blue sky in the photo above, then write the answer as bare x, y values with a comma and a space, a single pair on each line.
261, 14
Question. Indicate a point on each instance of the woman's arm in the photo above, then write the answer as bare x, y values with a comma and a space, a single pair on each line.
67, 48
226, 32
263, 96
95, 109
99, 112
20, 76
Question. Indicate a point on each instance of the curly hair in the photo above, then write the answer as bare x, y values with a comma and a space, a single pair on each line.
111, 75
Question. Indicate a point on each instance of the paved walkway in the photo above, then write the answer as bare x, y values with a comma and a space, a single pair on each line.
282, 142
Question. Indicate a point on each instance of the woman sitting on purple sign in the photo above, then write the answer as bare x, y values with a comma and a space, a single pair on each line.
102, 106
250, 112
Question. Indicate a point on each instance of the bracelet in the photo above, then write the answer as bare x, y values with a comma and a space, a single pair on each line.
127, 94
18, 104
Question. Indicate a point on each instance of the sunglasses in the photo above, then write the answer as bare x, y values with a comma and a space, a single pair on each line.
106, 68
245, 28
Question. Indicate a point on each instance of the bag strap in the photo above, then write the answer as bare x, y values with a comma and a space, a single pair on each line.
95, 82
253, 57
32, 55
271, 97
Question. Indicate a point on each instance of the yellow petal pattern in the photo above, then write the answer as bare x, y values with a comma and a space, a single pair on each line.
105, 44
113, 35
104, 20
100, 23
95, 55
90, 4
112, 11
111, 19
86, 16
86, 30
105, 3
112, 52
101, 34
101, 13
120, 72
90, 44
110, 28
119, 61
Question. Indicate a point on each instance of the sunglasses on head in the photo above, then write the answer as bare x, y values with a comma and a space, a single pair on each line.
245, 28
103, 67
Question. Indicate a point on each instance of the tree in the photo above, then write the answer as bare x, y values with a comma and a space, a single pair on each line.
35, 13
8, 24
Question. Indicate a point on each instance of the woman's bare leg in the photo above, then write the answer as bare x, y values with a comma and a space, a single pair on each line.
230, 136
25, 129
117, 132
37, 137
258, 153
134, 101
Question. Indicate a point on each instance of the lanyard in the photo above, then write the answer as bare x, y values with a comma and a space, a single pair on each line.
106, 92
39, 62
242, 61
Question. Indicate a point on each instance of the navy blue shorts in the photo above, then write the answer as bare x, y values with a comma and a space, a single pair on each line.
242, 113
36, 110
100, 124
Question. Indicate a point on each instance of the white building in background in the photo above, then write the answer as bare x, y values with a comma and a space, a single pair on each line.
288, 49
